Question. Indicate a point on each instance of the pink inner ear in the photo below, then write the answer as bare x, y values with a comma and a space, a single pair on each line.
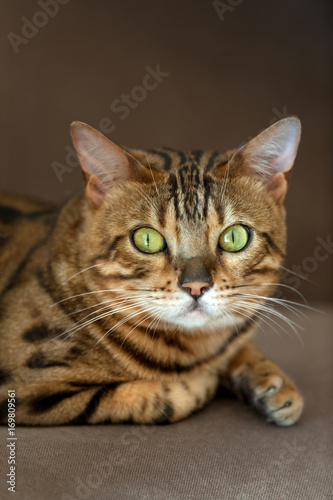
103, 162
273, 150
98, 155
285, 160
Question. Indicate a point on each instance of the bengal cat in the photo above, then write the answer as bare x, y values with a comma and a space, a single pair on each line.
136, 299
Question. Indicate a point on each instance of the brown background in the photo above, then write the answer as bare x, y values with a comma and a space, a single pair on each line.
227, 80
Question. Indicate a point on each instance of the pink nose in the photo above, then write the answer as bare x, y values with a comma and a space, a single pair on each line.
196, 288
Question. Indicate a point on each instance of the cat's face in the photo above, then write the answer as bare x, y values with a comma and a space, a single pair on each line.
189, 248
197, 245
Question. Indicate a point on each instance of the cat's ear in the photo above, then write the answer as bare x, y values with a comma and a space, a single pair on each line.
271, 155
104, 164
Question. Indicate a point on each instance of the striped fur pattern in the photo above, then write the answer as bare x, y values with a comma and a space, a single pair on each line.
94, 331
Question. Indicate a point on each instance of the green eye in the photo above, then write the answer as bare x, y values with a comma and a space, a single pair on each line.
234, 238
148, 240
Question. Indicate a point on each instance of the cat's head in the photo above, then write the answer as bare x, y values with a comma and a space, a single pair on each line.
196, 239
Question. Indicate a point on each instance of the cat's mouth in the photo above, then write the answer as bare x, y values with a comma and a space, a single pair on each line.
192, 313
195, 312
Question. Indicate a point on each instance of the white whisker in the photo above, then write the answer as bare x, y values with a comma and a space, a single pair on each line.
90, 293
261, 309
77, 274
298, 275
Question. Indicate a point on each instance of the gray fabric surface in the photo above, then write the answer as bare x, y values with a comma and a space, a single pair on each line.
223, 452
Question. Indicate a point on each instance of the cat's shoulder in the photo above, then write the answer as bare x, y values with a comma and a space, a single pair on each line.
21, 205
17, 212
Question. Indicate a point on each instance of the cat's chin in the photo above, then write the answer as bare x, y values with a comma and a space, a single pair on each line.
195, 314
195, 318
199, 319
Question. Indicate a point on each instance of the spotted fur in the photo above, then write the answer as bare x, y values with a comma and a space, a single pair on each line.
94, 331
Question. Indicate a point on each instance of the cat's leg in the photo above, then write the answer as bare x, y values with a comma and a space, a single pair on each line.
139, 401
149, 402
262, 384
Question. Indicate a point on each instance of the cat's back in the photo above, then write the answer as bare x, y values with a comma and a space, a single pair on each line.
23, 223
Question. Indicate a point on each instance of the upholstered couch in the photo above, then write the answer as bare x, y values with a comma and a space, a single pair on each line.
223, 452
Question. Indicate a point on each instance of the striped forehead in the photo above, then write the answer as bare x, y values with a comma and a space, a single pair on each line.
188, 179
170, 160
191, 192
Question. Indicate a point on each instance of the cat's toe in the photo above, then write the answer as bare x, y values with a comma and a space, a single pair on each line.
266, 385
284, 407
274, 398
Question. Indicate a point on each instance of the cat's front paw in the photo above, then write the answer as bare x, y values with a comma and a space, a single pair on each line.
270, 393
